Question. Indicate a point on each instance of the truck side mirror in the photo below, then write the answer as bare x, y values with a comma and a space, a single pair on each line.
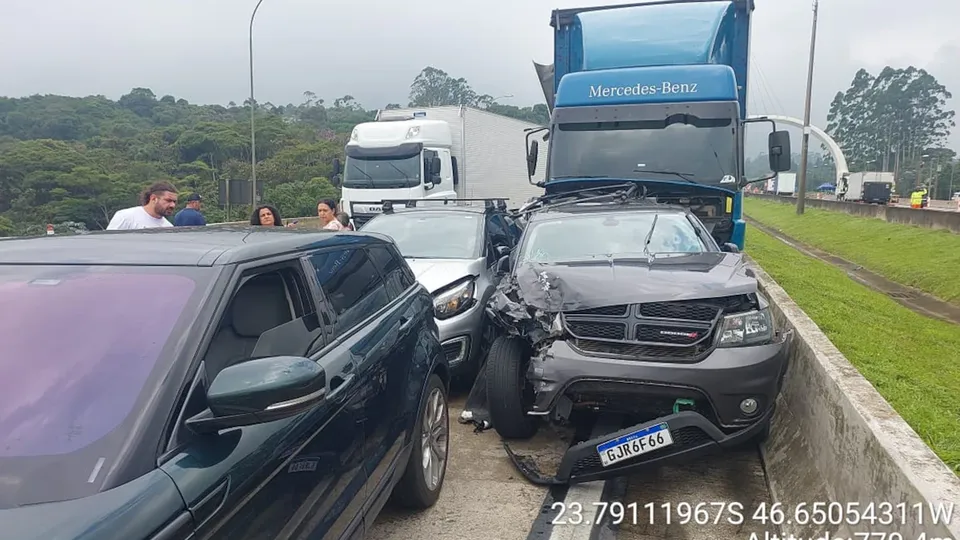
532, 154
435, 165
778, 148
335, 180
337, 168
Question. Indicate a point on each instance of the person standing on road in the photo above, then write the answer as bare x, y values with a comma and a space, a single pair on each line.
157, 203
327, 212
190, 216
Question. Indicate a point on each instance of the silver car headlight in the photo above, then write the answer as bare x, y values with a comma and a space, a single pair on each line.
744, 329
454, 301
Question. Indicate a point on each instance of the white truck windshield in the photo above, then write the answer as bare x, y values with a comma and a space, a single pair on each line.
382, 172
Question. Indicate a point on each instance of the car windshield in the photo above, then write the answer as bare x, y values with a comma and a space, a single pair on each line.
702, 150
382, 172
82, 348
432, 235
576, 238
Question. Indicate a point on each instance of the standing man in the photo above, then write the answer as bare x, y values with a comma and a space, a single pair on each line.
157, 202
190, 216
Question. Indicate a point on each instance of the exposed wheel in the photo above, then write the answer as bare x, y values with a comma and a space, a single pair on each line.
508, 392
422, 480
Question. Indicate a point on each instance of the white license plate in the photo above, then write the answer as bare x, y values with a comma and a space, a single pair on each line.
634, 444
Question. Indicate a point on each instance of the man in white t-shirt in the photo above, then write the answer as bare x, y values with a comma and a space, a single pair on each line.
157, 203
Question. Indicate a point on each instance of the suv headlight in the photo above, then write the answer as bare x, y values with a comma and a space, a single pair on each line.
743, 329
454, 301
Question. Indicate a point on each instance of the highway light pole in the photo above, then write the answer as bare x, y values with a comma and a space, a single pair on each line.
802, 181
253, 112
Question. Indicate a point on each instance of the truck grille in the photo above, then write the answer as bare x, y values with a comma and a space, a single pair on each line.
677, 331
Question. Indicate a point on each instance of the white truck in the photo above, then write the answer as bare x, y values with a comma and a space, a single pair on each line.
433, 153
786, 183
853, 189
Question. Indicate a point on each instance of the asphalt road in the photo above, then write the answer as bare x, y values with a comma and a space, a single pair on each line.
485, 497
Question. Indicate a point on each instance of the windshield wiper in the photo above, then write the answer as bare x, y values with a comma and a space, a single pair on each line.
684, 176
646, 241
581, 176
362, 172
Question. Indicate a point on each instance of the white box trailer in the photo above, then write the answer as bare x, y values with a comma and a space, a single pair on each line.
786, 183
489, 150
855, 181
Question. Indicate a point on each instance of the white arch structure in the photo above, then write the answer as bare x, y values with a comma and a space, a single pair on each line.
838, 159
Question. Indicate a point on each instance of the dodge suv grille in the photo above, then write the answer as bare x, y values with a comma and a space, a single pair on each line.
680, 331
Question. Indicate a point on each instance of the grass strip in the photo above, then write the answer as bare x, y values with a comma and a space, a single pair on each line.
910, 359
927, 259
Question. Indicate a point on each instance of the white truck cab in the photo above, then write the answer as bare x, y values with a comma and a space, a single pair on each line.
395, 158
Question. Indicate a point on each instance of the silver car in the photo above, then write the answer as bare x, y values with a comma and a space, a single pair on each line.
456, 253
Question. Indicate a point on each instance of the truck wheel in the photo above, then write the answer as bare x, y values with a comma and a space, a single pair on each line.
420, 485
508, 392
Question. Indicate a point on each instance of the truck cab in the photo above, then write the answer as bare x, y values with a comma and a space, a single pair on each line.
655, 94
397, 158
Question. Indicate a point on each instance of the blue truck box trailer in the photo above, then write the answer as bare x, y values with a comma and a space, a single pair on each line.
655, 93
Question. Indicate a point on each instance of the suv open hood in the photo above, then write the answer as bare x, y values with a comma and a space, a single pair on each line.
605, 282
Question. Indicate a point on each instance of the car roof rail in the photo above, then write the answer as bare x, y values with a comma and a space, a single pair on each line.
499, 203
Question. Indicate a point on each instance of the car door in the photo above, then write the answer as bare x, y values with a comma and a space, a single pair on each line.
371, 322
392, 411
285, 479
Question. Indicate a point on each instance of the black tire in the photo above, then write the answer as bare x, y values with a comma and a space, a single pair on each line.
506, 389
413, 490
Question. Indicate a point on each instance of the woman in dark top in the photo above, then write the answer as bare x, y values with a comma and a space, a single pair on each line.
267, 216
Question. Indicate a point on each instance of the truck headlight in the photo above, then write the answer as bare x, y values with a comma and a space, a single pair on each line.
454, 301
743, 329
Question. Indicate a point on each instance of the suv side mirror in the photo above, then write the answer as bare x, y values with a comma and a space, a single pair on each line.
502, 250
533, 153
260, 390
730, 247
778, 148
503, 264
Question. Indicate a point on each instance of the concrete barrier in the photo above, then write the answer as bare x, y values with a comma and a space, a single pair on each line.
931, 219
835, 439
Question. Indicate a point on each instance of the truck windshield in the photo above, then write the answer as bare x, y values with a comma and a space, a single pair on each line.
382, 172
702, 150
84, 348
577, 238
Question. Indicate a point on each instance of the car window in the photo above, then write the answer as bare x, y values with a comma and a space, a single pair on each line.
351, 284
432, 234
594, 236
393, 268
498, 230
270, 314
83, 348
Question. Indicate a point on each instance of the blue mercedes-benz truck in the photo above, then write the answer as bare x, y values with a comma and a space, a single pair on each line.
655, 93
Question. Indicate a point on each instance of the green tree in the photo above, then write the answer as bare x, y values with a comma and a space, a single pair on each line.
885, 122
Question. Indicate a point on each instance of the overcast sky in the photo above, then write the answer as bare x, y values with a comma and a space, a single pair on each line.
372, 49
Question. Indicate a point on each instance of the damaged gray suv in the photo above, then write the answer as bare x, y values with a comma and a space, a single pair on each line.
622, 305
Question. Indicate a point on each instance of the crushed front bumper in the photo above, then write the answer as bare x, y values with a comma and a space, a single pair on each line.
693, 436
721, 380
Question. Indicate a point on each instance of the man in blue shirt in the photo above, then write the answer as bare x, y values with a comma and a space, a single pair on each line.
190, 216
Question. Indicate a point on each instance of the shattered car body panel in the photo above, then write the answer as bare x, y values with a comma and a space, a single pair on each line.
646, 336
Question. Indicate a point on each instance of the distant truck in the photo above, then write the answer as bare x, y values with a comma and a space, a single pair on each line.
786, 183
432, 153
655, 94
852, 187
